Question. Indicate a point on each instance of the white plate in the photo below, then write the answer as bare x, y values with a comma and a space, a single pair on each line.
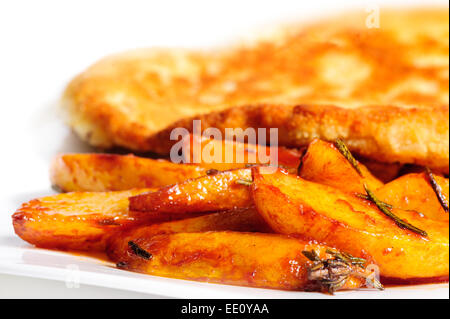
41, 55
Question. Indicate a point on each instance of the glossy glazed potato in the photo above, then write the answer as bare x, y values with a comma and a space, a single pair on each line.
242, 220
294, 206
246, 259
108, 172
225, 154
219, 191
324, 164
414, 192
78, 221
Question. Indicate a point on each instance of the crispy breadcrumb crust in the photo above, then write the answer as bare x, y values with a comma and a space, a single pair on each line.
389, 134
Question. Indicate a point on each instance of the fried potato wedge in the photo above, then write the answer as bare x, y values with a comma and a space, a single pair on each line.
219, 191
246, 259
78, 221
241, 220
414, 192
323, 163
294, 206
226, 154
108, 172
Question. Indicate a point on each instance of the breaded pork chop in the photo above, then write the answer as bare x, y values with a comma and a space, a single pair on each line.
384, 90
388, 134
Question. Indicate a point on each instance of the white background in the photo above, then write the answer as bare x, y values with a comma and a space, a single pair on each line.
43, 44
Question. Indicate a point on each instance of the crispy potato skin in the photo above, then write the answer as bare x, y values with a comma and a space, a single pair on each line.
205, 150
246, 259
78, 221
293, 206
324, 164
414, 192
205, 194
357, 74
241, 220
109, 172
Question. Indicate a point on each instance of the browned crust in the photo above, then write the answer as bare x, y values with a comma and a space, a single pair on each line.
388, 134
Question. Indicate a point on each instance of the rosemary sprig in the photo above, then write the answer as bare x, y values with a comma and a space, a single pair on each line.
332, 274
340, 145
358, 262
347, 258
437, 189
311, 255
366, 197
385, 210
246, 182
138, 251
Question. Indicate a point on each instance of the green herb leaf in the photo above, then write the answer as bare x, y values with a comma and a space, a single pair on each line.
366, 197
400, 222
438, 190
311, 255
347, 258
340, 145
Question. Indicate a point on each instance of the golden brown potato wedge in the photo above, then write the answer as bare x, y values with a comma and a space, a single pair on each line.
79, 221
219, 191
414, 192
324, 164
242, 220
294, 206
226, 155
108, 172
247, 259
